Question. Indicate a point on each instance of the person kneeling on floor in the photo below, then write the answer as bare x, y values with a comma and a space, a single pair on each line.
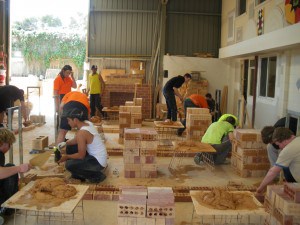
86, 153
219, 135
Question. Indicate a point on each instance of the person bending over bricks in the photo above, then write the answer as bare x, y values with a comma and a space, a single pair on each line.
219, 135
86, 153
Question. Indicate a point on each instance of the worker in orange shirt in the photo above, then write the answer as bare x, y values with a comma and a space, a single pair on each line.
193, 101
63, 84
72, 100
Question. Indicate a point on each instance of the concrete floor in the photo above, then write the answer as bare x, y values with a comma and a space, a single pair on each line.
105, 212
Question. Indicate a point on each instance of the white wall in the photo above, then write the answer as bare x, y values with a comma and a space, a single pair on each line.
216, 71
294, 83
287, 96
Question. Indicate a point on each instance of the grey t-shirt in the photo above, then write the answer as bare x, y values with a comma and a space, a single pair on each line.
290, 157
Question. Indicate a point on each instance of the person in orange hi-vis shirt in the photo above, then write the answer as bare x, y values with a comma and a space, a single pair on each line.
71, 100
193, 101
63, 84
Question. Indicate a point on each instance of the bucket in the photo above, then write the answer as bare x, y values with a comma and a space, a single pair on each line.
2, 77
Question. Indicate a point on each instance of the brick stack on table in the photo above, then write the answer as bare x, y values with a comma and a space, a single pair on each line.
130, 116
282, 202
249, 154
139, 205
197, 122
140, 150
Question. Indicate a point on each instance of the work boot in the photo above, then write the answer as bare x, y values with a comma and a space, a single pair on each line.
179, 133
198, 159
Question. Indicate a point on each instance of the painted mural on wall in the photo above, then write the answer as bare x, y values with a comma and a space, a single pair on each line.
260, 22
292, 11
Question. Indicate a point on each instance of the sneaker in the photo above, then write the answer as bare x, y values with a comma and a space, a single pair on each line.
98, 179
198, 159
179, 133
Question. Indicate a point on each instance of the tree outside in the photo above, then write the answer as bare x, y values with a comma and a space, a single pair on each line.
44, 42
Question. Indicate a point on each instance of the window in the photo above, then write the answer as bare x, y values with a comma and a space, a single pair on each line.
240, 7
249, 69
267, 77
257, 2
230, 34
251, 76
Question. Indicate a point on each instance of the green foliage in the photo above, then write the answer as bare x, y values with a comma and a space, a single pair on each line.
51, 21
28, 24
40, 45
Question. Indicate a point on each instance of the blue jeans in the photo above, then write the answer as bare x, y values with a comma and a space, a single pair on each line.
186, 104
87, 168
95, 101
222, 150
171, 105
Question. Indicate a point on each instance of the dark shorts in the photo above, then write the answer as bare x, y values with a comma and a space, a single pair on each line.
71, 105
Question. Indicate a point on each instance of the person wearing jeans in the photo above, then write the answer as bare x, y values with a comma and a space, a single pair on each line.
288, 160
219, 135
266, 135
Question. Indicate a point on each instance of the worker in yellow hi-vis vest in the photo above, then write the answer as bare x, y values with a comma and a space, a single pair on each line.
95, 89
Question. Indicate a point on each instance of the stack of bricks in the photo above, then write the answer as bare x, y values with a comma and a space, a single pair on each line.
282, 202
197, 122
130, 116
140, 150
139, 205
249, 154
161, 205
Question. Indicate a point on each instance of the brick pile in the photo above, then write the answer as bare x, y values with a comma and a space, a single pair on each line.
249, 154
282, 202
141, 205
118, 94
130, 116
197, 122
140, 151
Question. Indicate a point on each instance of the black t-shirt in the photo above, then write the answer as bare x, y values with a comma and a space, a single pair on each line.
281, 123
176, 82
10, 93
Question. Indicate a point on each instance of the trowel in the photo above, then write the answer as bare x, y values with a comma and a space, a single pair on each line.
40, 160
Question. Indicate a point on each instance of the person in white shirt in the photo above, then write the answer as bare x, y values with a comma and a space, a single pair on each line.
288, 160
86, 153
